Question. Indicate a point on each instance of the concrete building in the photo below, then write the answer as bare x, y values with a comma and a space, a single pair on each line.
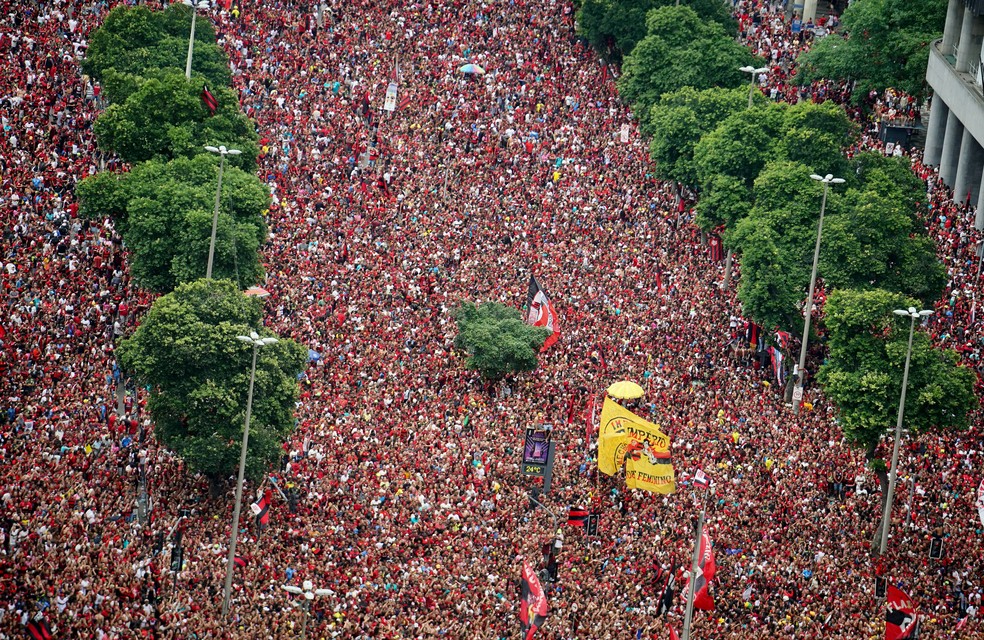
955, 135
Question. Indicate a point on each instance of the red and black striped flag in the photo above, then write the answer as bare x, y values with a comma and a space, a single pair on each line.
533, 605
717, 248
261, 509
38, 630
901, 618
210, 102
577, 517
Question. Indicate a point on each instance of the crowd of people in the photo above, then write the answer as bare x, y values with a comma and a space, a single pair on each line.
411, 509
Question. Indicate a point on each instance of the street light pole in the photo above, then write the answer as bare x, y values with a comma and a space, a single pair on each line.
194, 4
730, 254
755, 72
808, 308
257, 342
893, 474
223, 152
309, 592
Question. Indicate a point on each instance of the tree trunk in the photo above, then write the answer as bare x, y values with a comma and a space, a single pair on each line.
727, 268
215, 486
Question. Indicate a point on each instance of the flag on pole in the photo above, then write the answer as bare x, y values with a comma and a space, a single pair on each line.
666, 600
706, 568
533, 605
716, 248
542, 312
701, 480
261, 509
577, 517
210, 102
900, 615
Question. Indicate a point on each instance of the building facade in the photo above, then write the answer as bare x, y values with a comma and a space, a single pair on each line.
955, 136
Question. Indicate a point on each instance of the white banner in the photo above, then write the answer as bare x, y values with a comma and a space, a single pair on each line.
624, 134
390, 103
980, 501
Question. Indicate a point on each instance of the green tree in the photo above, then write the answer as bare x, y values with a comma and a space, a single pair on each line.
730, 158
871, 239
679, 120
776, 241
136, 40
679, 50
497, 340
885, 44
167, 219
166, 118
816, 135
614, 27
186, 351
863, 374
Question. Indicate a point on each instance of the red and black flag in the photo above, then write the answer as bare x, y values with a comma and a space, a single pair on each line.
210, 102
901, 618
38, 630
542, 313
666, 600
716, 247
706, 568
240, 562
405, 100
261, 509
577, 517
533, 606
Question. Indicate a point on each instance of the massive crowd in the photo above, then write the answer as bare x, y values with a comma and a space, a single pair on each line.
412, 509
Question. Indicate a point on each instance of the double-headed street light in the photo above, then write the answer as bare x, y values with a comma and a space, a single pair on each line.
195, 6
755, 72
254, 339
308, 591
887, 514
808, 308
223, 152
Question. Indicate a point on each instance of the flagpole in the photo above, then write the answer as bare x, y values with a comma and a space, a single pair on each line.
693, 571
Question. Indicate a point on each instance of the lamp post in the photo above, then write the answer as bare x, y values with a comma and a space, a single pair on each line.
752, 70
257, 342
195, 6
223, 152
808, 308
887, 514
309, 592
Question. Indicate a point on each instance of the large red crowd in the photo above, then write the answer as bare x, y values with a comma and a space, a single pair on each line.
412, 510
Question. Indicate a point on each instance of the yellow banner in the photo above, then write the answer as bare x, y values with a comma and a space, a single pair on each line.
625, 439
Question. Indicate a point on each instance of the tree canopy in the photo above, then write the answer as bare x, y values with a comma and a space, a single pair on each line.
164, 211
198, 373
136, 40
164, 117
885, 44
615, 27
871, 239
679, 120
497, 340
863, 373
679, 50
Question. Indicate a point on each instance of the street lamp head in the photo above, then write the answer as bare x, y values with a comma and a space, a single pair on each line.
900, 312
255, 336
760, 70
292, 589
324, 592
209, 147
233, 152
265, 342
308, 595
837, 181
827, 179
925, 313
308, 585
747, 68
816, 177
245, 339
